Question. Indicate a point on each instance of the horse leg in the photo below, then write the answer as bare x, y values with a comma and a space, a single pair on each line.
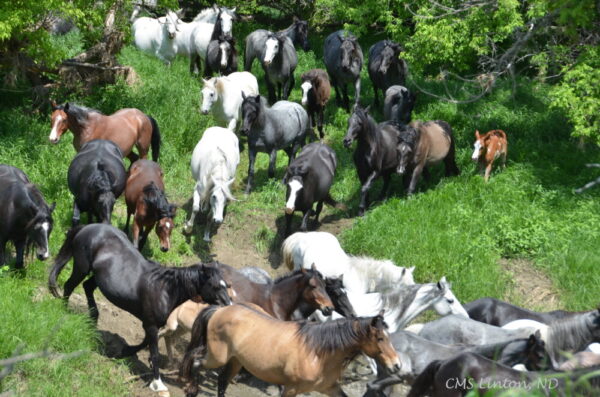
375, 94
338, 98
132, 157
318, 211
304, 224
504, 158
77, 277
207, 229
288, 224
287, 87
89, 286
415, 178
136, 234
272, 160
230, 370
20, 248
251, 160
152, 337
145, 232
320, 124
270, 89
488, 171
426, 174
126, 228
357, 91
346, 99
76, 214
364, 193
195, 208
2, 250
384, 189
336, 391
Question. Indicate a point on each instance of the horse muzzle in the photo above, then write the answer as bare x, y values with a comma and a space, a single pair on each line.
43, 256
347, 142
401, 170
204, 111
289, 210
395, 368
171, 35
327, 310
54, 141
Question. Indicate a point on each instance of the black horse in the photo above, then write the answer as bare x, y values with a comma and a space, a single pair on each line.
25, 218
96, 178
385, 67
145, 289
375, 153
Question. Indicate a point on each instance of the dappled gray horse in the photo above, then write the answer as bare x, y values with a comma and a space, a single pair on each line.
386, 68
343, 59
282, 126
279, 62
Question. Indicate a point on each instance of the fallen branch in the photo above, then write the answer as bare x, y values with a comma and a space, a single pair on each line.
592, 183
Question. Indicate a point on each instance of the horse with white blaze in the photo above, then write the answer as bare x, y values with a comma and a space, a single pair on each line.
223, 95
214, 161
157, 35
309, 178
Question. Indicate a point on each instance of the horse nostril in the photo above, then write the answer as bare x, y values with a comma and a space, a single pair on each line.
164, 249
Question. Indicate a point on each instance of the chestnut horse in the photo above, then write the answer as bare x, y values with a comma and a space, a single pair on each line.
300, 356
145, 197
127, 128
487, 148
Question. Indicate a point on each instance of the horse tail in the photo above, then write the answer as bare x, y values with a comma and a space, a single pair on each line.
63, 256
329, 200
450, 160
198, 343
423, 383
155, 139
287, 252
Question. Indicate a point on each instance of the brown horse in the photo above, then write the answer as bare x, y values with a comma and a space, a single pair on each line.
421, 144
300, 356
145, 197
279, 299
127, 128
487, 148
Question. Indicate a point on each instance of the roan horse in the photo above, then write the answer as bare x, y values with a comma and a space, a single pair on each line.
375, 153
421, 144
282, 126
279, 62
143, 288
26, 218
488, 147
127, 128
146, 200
300, 356
279, 299
96, 177
343, 59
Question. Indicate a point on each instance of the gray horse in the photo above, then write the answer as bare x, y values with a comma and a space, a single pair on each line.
282, 126
398, 105
386, 68
279, 61
343, 59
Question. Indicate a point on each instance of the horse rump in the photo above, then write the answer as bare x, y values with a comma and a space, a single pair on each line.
64, 255
196, 349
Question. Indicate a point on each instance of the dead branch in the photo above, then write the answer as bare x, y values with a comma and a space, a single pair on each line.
591, 184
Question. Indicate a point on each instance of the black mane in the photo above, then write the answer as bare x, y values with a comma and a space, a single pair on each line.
80, 113
335, 335
289, 275
157, 201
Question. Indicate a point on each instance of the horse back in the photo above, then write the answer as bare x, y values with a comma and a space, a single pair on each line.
14, 201
434, 142
126, 127
388, 158
142, 173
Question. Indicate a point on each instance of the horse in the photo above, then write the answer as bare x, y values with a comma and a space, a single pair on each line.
145, 198
375, 154
96, 178
300, 356
144, 288
398, 104
422, 144
126, 127
580, 360
361, 274
26, 217
343, 59
157, 35
571, 334
281, 126
255, 41
222, 95
316, 91
309, 178
214, 161
221, 56
279, 298
385, 67
417, 353
279, 62
460, 375
496, 312
487, 148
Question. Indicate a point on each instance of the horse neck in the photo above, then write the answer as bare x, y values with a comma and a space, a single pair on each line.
290, 32
370, 136
569, 335
182, 285
286, 294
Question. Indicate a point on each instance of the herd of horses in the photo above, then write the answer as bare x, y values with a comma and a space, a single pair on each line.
299, 331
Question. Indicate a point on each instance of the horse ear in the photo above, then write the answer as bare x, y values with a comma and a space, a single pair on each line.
215, 7
257, 99
180, 13
313, 267
295, 19
66, 107
477, 134
243, 95
341, 278
233, 9
53, 104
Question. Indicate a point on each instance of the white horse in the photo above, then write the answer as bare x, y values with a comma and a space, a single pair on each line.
214, 161
224, 96
361, 274
157, 35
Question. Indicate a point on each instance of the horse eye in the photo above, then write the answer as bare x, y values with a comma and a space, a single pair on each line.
451, 301
379, 339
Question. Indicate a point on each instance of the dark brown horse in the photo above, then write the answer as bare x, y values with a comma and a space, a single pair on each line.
127, 128
421, 144
145, 197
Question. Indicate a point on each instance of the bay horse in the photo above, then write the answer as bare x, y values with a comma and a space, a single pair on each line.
375, 153
422, 144
460, 375
300, 356
279, 298
26, 218
126, 127
487, 148
144, 288
146, 200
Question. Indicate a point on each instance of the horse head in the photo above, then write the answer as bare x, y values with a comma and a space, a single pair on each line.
348, 52
357, 123
209, 94
536, 355
226, 50
165, 225
169, 24
226, 17
336, 291
478, 147
315, 292
301, 33
377, 343
39, 228
212, 287
306, 86
273, 45
446, 303
251, 105
59, 122
389, 55
407, 144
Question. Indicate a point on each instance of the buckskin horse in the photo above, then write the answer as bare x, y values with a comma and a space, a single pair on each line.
126, 127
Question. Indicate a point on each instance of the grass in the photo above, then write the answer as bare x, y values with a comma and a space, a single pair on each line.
459, 227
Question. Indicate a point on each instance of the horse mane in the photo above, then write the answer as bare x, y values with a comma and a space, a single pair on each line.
568, 333
371, 125
182, 279
406, 294
367, 266
295, 273
331, 336
100, 180
157, 200
409, 134
206, 15
80, 113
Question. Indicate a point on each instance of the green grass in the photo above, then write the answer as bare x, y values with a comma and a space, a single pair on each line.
459, 227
